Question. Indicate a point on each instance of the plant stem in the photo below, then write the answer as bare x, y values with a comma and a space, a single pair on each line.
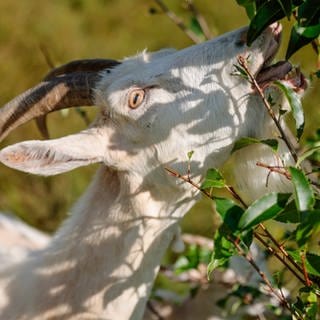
242, 62
188, 180
278, 256
256, 235
305, 273
277, 169
178, 21
201, 20
236, 196
280, 247
250, 259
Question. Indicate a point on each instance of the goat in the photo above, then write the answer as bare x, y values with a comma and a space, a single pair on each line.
154, 109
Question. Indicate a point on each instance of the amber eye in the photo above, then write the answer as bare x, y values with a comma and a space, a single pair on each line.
136, 97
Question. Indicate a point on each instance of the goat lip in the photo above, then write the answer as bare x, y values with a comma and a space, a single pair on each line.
274, 72
285, 72
282, 70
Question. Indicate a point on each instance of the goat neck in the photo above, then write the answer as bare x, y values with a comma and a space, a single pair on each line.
103, 260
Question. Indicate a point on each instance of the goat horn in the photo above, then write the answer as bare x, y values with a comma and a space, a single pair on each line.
84, 65
62, 88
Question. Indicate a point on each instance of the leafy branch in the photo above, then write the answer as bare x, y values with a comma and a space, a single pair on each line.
306, 29
197, 31
241, 223
243, 63
178, 22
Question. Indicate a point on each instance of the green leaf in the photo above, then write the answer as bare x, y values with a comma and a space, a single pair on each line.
271, 11
286, 6
312, 262
311, 32
229, 212
308, 12
308, 16
295, 105
308, 227
223, 246
213, 179
307, 303
239, 71
290, 214
263, 209
223, 251
309, 152
250, 7
247, 141
296, 42
190, 154
303, 234
303, 192
195, 27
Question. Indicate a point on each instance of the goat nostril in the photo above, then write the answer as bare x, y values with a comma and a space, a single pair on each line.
136, 97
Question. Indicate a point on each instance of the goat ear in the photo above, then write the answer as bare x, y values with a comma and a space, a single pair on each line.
52, 157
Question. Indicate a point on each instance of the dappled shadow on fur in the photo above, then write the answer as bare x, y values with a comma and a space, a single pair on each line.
107, 254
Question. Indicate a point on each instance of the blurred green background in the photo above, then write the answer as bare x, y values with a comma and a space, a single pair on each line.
33, 31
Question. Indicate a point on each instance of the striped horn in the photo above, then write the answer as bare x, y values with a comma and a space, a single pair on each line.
70, 85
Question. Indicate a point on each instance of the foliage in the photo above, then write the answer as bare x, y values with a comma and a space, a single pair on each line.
303, 211
91, 25
298, 212
306, 13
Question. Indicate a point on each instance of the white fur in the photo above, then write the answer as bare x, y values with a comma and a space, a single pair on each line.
102, 262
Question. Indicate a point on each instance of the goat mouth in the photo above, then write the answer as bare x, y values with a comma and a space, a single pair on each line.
282, 70
286, 73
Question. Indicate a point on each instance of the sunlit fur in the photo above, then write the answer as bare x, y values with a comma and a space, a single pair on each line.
102, 262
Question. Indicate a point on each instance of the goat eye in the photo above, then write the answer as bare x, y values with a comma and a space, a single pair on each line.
136, 97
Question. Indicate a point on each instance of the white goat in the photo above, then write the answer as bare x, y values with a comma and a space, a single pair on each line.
154, 108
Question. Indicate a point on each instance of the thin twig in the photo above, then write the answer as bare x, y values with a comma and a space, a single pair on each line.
267, 234
270, 236
277, 169
281, 170
188, 180
236, 196
178, 21
278, 256
200, 19
305, 272
280, 247
273, 240
314, 43
250, 259
242, 62
205, 192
